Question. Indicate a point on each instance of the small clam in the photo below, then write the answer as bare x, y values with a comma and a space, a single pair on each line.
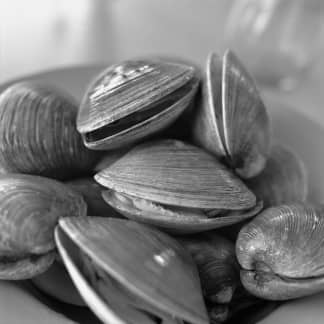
38, 133
91, 193
30, 207
282, 181
134, 99
232, 121
217, 266
281, 252
176, 186
130, 273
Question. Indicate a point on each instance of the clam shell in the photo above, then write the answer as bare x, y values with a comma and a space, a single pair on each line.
91, 193
134, 99
148, 263
174, 221
30, 207
208, 130
216, 262
283, 180
246, 122
232, 122
38, 133
282, 252
175, 173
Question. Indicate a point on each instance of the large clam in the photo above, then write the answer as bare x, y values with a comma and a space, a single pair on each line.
134, 99
30, 207
281, 252
232, 121
283, 180
176, 186
38, 133
130, 273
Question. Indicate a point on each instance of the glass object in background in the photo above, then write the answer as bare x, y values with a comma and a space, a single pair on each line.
278, 40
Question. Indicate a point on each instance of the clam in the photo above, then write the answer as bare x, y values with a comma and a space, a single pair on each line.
130, 273
91, 193
133, 99
30, 207
218, 270
217, 266
176, 186
281, 252
282, 181
38, 133
232, 121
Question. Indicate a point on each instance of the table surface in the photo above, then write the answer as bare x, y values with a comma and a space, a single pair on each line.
37, 35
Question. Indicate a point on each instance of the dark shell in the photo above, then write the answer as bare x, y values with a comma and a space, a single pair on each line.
38, 133
281, 252
30, 207
147, 262
134, 99
217, 266
282, 181
91, 193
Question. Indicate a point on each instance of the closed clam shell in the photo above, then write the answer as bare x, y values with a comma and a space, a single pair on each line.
91, 193
232, 121
283, 180
134, 99
175, 173
30, 207
281, 252
216, 262
38, 133
148, 263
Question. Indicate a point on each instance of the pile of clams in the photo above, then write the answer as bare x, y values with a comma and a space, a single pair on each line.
162, 195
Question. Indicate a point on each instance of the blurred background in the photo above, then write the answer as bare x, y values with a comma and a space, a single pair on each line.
42, 34
280, 41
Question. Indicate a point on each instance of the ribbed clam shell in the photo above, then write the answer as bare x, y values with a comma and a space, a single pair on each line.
150, 264
245, 119
109, 158
232, 121
207, 128
283, 180
176, 173
285, 241
134, 99
30, 207
91, 193
217, 266
38, 133
175, 221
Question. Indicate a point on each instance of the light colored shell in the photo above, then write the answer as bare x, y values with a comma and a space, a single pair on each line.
175, 173
282, 251
283, 180
30, 207
161, 271
232, 121
134, 99
38, 133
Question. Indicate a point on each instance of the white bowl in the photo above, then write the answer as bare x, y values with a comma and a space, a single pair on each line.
290, 127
